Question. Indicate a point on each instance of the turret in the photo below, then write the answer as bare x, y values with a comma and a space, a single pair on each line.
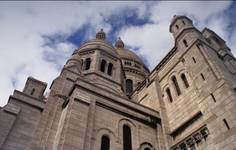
216, 42
183, 31
34, 88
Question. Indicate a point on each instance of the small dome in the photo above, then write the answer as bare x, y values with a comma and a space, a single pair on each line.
119, 43
101, 35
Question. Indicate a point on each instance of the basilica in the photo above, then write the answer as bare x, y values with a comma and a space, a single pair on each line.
105, 98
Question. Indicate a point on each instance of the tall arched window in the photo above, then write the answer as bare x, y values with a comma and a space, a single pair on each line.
169, 95
127, 141
109, 69
174, 80
184, 79
129, 86
103, 66
87, 63
105, 145
185, 43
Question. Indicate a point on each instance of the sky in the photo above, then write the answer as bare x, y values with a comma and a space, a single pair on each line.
36, 38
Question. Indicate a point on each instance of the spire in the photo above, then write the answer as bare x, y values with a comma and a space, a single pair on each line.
101, 35
119, 43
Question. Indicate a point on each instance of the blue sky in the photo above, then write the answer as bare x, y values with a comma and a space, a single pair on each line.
38, 37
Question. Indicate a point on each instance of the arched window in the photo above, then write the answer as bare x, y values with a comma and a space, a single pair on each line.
109, 69
127, 141
174, 80
103, 66
184, 79
185, 43
87, 63
105, 145
129, 86
147, 149
169, 95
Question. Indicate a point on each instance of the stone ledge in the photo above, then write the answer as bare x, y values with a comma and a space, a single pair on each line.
12, 109
20, 96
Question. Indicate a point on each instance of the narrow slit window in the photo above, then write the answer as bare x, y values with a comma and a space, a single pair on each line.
226, 124
203, 78
169, 95
109, 70
103, 66
185, 43
198, 46
184, 79
105, 145
87, 63
127, 140
183, 22
174, 80
194, 60
213, 97
32, 92
177, 27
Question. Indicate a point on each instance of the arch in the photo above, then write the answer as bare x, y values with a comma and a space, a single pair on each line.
104, 132
109, 69
146, 146
176, 85
87, 63
185, 43
168, 92
127, 139
105, 143
184, 79
129, 86
103, 65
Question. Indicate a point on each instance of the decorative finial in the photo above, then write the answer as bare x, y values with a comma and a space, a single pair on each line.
101, 35
119, 43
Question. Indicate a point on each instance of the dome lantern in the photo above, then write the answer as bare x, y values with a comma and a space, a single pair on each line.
101, 35
119, 43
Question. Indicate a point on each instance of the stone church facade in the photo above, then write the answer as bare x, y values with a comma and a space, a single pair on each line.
105, 98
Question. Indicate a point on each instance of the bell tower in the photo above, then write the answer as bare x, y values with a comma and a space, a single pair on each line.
184, 32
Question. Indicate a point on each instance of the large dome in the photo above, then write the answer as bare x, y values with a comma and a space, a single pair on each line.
127, 54
98, 43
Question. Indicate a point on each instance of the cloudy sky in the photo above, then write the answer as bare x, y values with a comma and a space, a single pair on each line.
36, 38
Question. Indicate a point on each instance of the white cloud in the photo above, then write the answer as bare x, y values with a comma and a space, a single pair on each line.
155, 41
23, 24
